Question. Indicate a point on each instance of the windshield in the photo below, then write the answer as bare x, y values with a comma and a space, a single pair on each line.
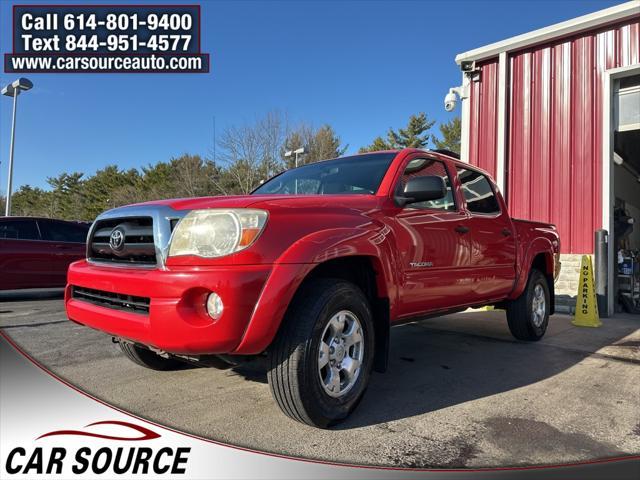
360, 174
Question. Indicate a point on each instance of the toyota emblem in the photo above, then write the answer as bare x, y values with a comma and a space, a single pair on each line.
116, 239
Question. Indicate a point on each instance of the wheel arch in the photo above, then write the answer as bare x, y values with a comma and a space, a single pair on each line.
543, 261
364, 255
367, 273
540, 255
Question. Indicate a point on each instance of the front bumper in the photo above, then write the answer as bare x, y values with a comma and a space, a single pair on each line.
177, 321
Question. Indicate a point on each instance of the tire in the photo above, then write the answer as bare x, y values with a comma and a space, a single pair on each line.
300, 386
526, 316
146, 358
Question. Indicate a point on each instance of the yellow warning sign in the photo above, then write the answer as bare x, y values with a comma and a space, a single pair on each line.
586, 305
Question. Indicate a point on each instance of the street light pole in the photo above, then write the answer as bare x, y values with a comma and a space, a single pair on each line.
7, 207
299, 151
13, 90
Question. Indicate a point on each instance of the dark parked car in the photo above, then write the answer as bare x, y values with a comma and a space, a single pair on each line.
36, 252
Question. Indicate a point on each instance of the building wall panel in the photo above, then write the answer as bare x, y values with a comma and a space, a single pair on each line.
554, 138
484, 117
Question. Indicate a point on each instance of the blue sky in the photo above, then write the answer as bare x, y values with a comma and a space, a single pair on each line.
360, 66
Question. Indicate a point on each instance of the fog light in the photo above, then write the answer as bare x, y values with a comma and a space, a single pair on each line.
214, 306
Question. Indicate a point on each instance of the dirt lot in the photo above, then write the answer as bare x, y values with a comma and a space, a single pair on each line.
460, 392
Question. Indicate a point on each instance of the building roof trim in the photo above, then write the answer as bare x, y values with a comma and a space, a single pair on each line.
585, 22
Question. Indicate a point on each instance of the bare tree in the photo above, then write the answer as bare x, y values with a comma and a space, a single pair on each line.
272, 131
192, 175
251, 152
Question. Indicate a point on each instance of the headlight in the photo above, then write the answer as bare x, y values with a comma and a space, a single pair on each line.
216, 232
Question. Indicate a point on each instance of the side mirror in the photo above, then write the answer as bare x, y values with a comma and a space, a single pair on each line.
422, 189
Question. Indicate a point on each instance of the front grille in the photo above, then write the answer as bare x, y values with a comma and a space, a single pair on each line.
117, 301
137, 246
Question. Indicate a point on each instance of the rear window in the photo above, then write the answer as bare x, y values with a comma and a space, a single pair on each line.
19, 230
63, 232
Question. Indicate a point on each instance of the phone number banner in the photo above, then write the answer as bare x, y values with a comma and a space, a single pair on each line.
106, 39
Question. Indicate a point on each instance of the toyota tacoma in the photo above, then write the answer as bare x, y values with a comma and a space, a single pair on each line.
311, 270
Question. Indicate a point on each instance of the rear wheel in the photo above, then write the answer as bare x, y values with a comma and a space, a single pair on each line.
146, 358
528, 315
321, 360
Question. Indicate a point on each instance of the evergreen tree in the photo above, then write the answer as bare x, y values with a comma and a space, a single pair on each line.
31, 201
378, 144
66, 195
414, 135
325, 144
319, 144
450, 136
98, 190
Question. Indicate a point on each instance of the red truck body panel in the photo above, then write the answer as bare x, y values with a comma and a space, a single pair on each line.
484, 266
177, 319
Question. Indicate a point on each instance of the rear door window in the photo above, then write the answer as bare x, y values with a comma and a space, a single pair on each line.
19, 230
63, 232
478, 192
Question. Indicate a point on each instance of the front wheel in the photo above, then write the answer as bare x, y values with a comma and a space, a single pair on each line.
528, 315
321, 360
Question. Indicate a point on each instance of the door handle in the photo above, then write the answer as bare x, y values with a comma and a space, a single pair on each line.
462, 229
506, 232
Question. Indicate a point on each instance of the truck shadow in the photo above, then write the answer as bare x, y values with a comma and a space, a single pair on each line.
253, 371
31, 294
446, 361
431, 368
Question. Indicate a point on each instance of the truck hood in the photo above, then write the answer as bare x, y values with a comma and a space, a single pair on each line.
267, 201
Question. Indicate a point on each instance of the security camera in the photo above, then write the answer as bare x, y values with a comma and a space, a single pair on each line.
450, 101
450, 98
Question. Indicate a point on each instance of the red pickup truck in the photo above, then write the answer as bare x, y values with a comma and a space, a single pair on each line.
311, 270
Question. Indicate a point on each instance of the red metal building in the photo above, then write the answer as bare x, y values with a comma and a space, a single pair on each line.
542, 113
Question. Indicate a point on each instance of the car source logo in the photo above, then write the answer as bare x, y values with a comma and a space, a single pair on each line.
82, 458
116, 239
